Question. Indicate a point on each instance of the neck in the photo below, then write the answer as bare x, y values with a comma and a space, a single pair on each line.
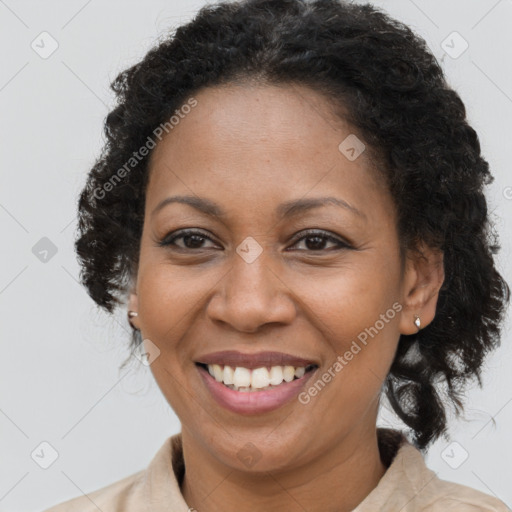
336, 481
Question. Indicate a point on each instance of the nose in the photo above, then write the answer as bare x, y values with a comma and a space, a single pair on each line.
251, 295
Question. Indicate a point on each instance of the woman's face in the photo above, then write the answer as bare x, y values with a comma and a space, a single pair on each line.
251, 280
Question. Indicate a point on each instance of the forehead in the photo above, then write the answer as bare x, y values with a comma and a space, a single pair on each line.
241, 117
264, 143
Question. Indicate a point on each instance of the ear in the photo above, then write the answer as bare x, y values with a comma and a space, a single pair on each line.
133, 305
423, 277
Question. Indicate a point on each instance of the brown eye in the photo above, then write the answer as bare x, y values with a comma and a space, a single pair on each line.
191, 240
317, 240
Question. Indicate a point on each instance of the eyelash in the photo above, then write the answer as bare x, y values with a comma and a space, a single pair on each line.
168, 241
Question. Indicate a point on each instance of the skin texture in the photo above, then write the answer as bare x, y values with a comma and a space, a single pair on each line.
248, 149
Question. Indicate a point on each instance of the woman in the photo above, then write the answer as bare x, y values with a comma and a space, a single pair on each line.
290, 204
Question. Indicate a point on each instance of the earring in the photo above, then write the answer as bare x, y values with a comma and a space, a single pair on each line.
132, 314
417, 321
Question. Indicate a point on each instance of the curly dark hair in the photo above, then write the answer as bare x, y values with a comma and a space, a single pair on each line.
393, 90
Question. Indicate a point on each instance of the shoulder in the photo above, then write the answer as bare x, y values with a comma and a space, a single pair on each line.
432, 494
410, 486
452, 496
147, 489
124, 495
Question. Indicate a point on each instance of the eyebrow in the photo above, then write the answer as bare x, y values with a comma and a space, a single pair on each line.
284, 210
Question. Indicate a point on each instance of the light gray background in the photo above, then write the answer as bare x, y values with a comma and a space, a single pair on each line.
59, 368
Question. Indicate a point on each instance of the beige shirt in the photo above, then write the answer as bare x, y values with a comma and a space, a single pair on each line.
407, 486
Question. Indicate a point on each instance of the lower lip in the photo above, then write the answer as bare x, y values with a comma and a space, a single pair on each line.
253, 402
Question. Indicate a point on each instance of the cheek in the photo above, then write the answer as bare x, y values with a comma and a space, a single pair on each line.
168, 295
166, 299
359, 323
158, 304
351, 298
356, 309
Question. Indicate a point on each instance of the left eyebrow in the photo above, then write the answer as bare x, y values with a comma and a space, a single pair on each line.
294, 207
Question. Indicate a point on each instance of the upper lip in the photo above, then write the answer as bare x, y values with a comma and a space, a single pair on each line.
234, 358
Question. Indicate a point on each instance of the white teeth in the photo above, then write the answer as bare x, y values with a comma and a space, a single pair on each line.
260, 378
217, 372
289, 373
228, 375
246, 380
242, 377
276, 375
300, 371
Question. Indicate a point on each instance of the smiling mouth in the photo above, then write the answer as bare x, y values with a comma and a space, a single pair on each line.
244, 379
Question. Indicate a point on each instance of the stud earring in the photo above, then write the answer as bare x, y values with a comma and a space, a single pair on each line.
132, 314
417, 321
